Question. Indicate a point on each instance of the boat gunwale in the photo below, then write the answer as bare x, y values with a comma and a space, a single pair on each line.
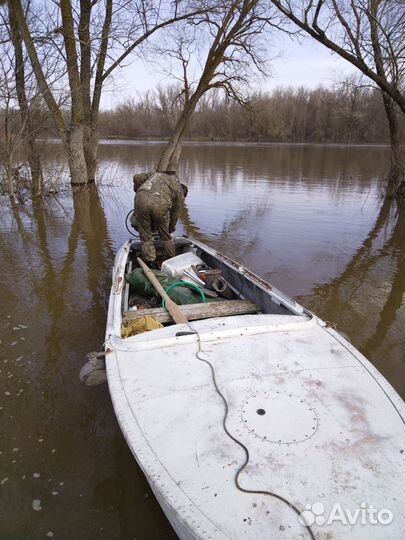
276, 295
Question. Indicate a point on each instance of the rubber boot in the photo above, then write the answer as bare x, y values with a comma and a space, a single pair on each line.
170, 248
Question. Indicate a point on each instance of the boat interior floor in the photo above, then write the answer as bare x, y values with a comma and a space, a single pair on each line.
250, 296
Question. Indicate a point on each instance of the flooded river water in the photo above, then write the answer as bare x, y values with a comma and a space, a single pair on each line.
306, 218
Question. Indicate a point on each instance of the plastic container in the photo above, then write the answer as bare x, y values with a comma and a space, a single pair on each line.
175, 266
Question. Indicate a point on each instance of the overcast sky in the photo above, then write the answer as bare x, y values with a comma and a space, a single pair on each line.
306, 64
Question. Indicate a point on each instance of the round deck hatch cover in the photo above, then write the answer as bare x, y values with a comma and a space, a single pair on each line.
279, 418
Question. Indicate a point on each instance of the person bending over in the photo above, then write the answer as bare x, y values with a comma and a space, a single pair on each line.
158, 200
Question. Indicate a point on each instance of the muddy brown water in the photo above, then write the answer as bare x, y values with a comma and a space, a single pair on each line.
306, 218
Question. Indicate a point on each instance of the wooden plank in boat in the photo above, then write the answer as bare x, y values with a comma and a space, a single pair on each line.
199, 311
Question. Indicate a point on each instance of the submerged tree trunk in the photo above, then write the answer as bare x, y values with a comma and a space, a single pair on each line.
90, 152
34, 161
74, 144
10, 184
396, 175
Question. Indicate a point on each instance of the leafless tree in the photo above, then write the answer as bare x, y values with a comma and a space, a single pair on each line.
13, 129
370, 35
20, 111
232, 32
351, 107
27, 106
169, 106
9, 135
92, 39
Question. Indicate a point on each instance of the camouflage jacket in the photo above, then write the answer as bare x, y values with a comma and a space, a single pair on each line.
164, 188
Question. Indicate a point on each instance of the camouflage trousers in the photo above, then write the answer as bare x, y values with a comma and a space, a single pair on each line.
151, 215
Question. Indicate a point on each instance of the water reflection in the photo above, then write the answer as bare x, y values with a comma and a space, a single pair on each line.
62, 445
366, 300
306, 218
217, 164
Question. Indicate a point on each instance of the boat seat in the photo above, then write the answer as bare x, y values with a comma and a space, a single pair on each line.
195, 312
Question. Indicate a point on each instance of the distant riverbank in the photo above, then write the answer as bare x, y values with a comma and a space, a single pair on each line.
225, 142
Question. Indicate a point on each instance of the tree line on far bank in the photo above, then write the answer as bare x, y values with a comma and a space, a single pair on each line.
347, 114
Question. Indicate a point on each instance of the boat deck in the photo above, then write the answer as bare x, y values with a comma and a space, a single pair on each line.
318, 422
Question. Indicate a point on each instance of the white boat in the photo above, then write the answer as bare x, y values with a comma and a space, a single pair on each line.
257, 426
